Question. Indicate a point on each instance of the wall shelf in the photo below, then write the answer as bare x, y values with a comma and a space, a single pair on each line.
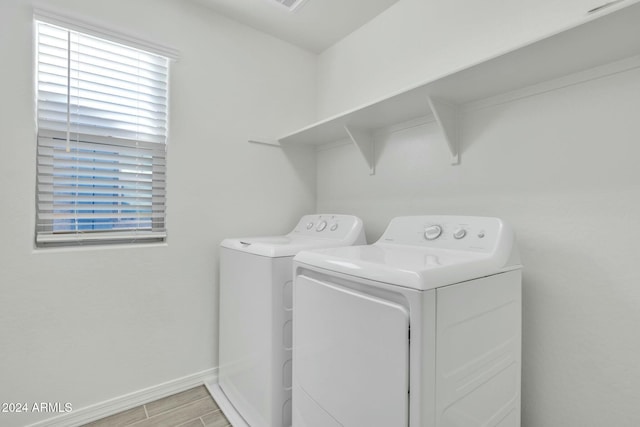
605, 37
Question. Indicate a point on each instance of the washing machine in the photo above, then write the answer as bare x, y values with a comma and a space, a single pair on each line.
254, 378
420, 329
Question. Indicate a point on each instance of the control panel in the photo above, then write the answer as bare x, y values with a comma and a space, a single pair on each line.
477, 234
327, 226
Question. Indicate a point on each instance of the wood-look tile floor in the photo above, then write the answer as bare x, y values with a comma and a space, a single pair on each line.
191, 408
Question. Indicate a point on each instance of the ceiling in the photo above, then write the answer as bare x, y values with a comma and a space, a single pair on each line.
315, 25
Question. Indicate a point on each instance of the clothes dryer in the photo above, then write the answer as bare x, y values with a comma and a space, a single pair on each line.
420, 329
254, 378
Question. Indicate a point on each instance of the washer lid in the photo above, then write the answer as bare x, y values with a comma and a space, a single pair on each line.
311, 232
277, 246
411, 267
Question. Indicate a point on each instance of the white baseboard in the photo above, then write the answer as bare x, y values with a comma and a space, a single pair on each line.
128, 401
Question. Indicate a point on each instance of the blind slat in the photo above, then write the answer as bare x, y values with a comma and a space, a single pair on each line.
105, 85
106, 119
72, 210
72, 198
59, 169
103, 131
57, 47
84, 181
79, 214
47, 153
103, 145
96, 95
128, 236
123, 74
59, 32
102, 127
53, 138
46, 189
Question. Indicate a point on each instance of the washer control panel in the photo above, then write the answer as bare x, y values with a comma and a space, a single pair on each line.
328, 226
477, 234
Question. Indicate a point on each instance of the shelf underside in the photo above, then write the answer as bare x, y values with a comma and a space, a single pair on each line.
601, 41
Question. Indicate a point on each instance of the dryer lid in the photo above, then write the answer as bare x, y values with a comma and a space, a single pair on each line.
409, 255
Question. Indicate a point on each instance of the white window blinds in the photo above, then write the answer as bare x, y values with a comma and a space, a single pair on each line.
102, 130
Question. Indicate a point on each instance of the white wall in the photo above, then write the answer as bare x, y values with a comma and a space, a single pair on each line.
419, 40
87, 325
560, 166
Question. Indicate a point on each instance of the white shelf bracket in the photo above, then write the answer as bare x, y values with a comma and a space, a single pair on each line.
364, 143
446, 116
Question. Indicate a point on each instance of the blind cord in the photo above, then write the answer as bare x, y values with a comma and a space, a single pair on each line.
77, 156
68, 91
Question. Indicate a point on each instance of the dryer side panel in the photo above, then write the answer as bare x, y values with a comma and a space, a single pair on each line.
478, 352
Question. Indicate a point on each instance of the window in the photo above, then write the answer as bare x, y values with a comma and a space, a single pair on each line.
102, 132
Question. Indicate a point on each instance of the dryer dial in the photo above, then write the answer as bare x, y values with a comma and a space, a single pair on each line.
459, 233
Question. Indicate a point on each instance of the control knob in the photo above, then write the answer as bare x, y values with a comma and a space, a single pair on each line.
432, 232
459, 233
321, 226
